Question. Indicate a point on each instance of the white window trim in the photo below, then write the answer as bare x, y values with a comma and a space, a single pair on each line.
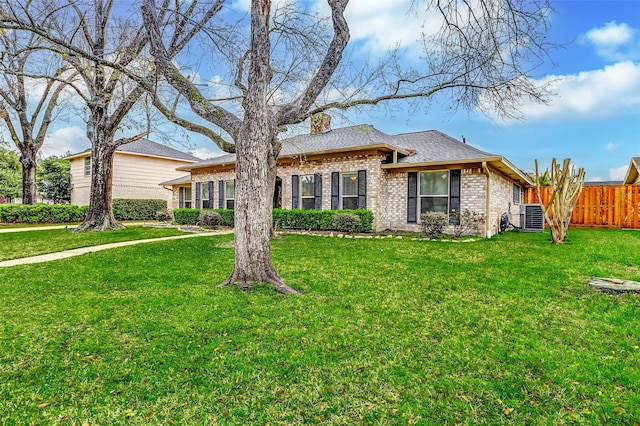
342, 196
87, 166
303, 197
190, 199
226, 199
447, 195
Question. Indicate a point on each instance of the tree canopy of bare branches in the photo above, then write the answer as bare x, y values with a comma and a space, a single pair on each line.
290, 65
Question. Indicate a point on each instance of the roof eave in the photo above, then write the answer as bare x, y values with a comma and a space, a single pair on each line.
632, 173
498, 162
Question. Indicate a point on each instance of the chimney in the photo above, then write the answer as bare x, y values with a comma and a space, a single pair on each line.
464, 140
320, 122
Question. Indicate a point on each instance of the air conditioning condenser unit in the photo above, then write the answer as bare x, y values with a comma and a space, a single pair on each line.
531, 218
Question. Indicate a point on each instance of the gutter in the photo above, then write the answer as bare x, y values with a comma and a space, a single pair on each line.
485, 171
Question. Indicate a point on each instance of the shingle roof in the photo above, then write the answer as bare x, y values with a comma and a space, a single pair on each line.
434, 146
424, 147
147, 147
177, 181
332, 140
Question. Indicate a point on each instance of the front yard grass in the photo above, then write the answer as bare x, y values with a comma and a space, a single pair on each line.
14, 245
499, 331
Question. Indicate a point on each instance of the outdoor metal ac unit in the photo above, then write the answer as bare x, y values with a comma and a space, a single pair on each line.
531, 218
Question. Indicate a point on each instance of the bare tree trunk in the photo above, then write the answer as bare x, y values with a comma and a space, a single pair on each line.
29, 191
100, 215
255, 180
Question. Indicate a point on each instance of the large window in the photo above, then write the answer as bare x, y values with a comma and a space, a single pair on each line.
229, 194
307, 192
434, 191
349, 190
187, 197
87, 166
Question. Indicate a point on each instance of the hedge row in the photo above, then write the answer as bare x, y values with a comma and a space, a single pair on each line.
133, 209
191, 216
314, 220
42, 213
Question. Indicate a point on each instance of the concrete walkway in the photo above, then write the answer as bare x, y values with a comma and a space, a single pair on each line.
82, 250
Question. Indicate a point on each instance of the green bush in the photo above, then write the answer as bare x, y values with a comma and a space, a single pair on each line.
42, 213
433, 223
312, 220
227, 217
186, 216
137, 209
209, 218
322, 220
347, 222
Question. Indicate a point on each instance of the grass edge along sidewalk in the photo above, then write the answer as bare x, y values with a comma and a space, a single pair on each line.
82, 250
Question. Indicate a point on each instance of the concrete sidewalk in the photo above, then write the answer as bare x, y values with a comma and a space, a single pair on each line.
82, 250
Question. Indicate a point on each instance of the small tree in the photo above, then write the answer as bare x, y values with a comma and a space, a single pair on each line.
10, 182
566, 185
54, 180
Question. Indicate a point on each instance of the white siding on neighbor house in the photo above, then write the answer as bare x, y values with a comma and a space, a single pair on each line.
80, 184
134, 176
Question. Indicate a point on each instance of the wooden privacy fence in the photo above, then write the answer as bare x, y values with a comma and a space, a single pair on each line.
601, 206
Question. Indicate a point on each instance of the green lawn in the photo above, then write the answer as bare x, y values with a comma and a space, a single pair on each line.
15, 245
499, 331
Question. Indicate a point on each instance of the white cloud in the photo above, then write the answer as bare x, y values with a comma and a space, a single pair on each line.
618, 173
607, 92
595, 179
72, 139
611, 146
613, 41
205, 153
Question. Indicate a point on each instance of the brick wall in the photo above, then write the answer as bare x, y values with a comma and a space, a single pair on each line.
386, 190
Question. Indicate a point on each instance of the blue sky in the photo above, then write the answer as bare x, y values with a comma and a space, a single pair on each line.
594, 117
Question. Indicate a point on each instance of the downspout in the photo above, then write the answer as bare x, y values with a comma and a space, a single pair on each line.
487, 215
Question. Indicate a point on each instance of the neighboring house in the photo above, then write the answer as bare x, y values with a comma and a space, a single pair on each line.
633, 174
396, 177
138, 168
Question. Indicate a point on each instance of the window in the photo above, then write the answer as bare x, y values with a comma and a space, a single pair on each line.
87, 166
349, 191
206, 203
229, 193
307, 192
187, 197
434, 191
517, 192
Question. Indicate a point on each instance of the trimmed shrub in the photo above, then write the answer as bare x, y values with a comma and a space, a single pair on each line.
42, 213
433, 223
186, 216
209, 218
347, 222
321, 220
137, 209
227, 217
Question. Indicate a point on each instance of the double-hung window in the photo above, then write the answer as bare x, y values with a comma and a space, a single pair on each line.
187, 197
517, 194
206, 203
434, 191
307, 192
87, 166
349, 190
229, 194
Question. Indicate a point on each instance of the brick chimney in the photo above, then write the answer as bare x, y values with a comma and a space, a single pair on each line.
320, 122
